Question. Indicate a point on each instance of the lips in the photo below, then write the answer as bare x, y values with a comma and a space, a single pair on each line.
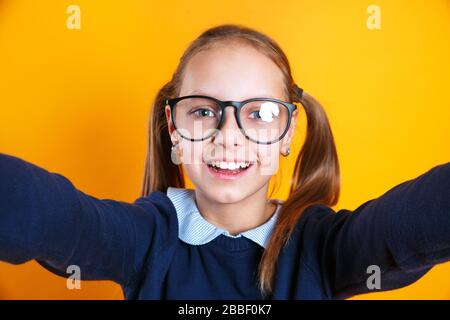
233, 173
230, 165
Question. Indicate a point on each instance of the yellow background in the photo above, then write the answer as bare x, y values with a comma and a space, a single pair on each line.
77, 102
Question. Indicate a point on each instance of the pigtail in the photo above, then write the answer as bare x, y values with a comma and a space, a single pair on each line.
160, 172
316, 180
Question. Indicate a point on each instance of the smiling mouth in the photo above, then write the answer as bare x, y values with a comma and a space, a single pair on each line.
230, 169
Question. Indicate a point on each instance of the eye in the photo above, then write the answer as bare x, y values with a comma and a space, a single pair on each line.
203, 112
265, 111
256, 113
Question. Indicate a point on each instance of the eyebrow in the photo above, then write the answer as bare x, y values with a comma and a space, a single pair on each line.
197, 92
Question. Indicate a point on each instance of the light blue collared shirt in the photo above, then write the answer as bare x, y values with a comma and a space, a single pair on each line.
194, 229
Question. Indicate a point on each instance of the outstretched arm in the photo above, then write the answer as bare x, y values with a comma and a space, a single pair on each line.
404, 233
44, 217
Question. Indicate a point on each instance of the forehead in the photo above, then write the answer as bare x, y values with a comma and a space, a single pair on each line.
234, 72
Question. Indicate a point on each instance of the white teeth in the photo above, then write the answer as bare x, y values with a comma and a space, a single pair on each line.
229, 165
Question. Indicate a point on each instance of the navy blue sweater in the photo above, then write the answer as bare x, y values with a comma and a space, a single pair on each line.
44, 217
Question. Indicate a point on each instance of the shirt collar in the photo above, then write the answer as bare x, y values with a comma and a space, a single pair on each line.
194, 229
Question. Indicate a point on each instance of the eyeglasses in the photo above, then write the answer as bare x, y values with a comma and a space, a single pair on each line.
261, 120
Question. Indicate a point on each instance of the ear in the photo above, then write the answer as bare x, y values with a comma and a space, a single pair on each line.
170, 126
287, 139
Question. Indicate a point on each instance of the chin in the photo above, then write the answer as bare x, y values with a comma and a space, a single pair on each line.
225, 194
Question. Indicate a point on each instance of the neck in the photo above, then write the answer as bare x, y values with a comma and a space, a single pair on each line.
240, 216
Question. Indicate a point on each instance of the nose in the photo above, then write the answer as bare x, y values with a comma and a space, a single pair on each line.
230, 133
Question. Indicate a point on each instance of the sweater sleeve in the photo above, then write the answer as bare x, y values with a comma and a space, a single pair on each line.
44, 217
401, 234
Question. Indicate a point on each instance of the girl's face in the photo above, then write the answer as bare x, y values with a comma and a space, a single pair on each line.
231, 72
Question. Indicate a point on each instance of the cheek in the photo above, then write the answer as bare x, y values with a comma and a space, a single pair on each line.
268, 156
193, 159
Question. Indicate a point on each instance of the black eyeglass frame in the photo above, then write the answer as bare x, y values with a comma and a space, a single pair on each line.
237, 105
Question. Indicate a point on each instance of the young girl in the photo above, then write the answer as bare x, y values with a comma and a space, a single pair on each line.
224, 119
